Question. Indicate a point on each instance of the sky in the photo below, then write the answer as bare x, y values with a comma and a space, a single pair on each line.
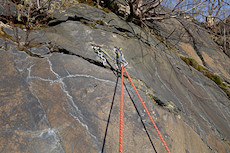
203, 9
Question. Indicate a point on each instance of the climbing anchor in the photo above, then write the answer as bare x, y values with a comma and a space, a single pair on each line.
101, 54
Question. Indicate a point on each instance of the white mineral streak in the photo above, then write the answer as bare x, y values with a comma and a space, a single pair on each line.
156, 73
48, 132
75, 112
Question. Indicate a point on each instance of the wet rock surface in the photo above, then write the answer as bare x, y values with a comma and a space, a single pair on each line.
61, 102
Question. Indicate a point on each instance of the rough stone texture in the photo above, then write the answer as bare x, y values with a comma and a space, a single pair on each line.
60, 103
196, 43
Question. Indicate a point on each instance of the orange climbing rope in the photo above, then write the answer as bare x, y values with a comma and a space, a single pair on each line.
121, 114
146, 111
121, 59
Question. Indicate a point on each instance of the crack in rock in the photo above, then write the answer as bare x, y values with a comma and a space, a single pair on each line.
194, 44
97, 63
182, 107
55, 22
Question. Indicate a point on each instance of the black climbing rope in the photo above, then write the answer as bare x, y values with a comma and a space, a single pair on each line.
140, 119
108, 121
111, 107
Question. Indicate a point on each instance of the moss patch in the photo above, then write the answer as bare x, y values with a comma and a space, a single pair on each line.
93, 3
132, 37
68, 3
215, 78
88, 2
106, 10
5, 36
101, 22
26, 50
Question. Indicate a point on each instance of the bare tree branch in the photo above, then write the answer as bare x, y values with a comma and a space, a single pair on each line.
152, 6
194, 6
177, 5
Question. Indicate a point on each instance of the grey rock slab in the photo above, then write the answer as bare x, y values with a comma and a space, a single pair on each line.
24, 125
194, 41
87, 97
74, 91
92, 15
43, 50
163, 71
91, 96
82, 37
75, 97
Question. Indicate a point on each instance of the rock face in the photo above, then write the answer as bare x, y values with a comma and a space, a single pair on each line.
61, 102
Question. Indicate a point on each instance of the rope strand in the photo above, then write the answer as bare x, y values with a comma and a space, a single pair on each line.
148, 112
140, 118
121, 114
111, 107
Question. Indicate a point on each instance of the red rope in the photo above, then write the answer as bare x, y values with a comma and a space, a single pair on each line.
121, 114
147, 112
